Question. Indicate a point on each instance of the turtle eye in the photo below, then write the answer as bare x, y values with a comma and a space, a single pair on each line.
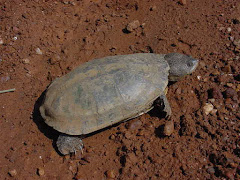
189, 63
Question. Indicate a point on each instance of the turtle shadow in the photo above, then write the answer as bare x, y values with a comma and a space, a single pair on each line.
48, 131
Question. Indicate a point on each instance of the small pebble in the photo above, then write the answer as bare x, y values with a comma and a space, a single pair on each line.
236, 20
229, 29
168, 128
87, 158
40, 171
140, 133
110, 174
134, 125
89, 150
211, 170
229, 84
112, 137
128, 135
236, 42
26, 61
207, 108
213, 112
38, 51
133, 25
12, 172
227, 69
153, 8
183, 2
1, 41
230, 174
230, 93
216, 93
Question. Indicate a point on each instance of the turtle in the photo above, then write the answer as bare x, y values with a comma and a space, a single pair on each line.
109, 90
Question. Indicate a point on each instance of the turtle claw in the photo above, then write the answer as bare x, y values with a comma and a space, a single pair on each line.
69, 144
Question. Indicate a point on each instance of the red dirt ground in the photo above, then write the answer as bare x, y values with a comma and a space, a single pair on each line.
41, 40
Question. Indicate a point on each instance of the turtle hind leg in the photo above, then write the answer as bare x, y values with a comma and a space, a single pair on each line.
163, 104
67, 144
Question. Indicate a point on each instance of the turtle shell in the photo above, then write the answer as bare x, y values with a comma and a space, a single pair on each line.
104, 91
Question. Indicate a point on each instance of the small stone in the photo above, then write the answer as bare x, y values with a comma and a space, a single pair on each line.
179, 91
140, 133
231, 93
128, 135
236, 42
134, 125
227, 69
40, 171
89, 150
211, 100
12, 172
1, 41
110, 174
229, 29
213, 112
230, 174
236, 20
211, 170
229, 84
26, 61
133, 25
153, 8
38, 51
87, 158
183, 2
112, 137
168, 128
207, 108
54, 59
215, 93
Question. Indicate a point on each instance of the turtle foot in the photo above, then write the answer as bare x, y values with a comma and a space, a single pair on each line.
69, 144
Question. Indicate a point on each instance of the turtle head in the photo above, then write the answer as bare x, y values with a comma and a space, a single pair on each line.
180, 65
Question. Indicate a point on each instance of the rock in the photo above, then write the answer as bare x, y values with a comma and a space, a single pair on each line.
1, 41
89, 150
38, 51
230, 174
40, 171
230, 93
215, 93
236, 42
87, 158
183, 2
211, 170
133, 25
112, 137
12, 172
168, 128
54, 59
236, 20
227, 69
140, 132
153, 8
207, 108
132, 125
110, 174
26, 61
128, 135
229, 29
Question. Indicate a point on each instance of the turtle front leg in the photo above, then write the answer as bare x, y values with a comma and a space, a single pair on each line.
167, 107
164, 105
67, 144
